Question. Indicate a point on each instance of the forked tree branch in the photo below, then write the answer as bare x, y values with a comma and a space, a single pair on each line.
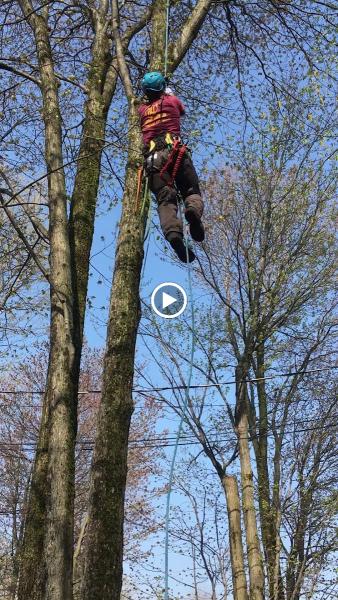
36, 223
127, 36
121, 61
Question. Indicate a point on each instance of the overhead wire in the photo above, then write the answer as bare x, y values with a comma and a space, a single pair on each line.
193, 386
166, 406
159, 441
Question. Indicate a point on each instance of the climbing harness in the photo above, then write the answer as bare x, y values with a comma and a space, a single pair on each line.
175, 157
174, 161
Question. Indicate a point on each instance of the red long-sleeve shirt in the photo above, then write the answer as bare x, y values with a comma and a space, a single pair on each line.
161, 116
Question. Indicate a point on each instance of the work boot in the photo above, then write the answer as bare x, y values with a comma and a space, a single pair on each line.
176, 241
195, 224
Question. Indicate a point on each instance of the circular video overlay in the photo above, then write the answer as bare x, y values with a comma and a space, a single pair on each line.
169, 300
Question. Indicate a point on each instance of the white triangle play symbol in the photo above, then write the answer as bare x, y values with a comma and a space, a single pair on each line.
167, 300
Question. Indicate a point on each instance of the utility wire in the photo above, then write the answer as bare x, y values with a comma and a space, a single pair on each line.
88, 446
166, 406
191, 386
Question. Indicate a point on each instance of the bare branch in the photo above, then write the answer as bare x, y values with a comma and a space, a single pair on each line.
37, 225
23, 238
20, 73
121, 61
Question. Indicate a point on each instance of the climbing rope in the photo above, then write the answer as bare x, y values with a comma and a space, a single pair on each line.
166, 41
176, 157
184, 411
147, 194
173, 162
192, 352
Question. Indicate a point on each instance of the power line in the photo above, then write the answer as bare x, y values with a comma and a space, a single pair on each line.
165, 405
192, 386
189, 440
233, 381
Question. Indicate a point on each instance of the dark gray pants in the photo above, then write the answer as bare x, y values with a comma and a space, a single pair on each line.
187, 183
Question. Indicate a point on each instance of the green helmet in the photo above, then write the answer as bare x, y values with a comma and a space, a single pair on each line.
153, 82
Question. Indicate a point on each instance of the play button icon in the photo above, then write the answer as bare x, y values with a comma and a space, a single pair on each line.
169, 300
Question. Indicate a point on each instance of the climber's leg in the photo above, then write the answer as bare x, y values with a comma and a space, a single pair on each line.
171, 225
188, 184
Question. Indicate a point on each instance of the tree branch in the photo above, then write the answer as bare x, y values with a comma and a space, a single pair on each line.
37, 225
23, 238
23, 74
121, 61
179, 48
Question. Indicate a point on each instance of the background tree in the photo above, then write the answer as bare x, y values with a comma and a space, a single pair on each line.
22, 281
270, 262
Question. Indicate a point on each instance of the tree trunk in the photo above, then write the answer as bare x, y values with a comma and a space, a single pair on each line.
49, 520
252, 541
76, 244
235, 536
104, 537
84, 198
297, 557
278, 585
266, 509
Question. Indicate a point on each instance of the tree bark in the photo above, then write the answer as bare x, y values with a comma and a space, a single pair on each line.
49, 520
252, 540
83, 204
76, 242
266, 509
235, 536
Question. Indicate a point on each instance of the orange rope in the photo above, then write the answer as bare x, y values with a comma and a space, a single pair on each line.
174, 161
139, 186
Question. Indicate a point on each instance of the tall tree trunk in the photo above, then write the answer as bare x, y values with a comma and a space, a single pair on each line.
64, 366
52, 488
104, 544
104, 538
235, 536
252, 540
83, 204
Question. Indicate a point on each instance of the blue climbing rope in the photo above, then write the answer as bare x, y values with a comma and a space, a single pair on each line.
166, 41
192, 351
184, 412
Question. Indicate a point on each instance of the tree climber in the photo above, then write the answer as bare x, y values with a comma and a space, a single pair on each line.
168, 162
